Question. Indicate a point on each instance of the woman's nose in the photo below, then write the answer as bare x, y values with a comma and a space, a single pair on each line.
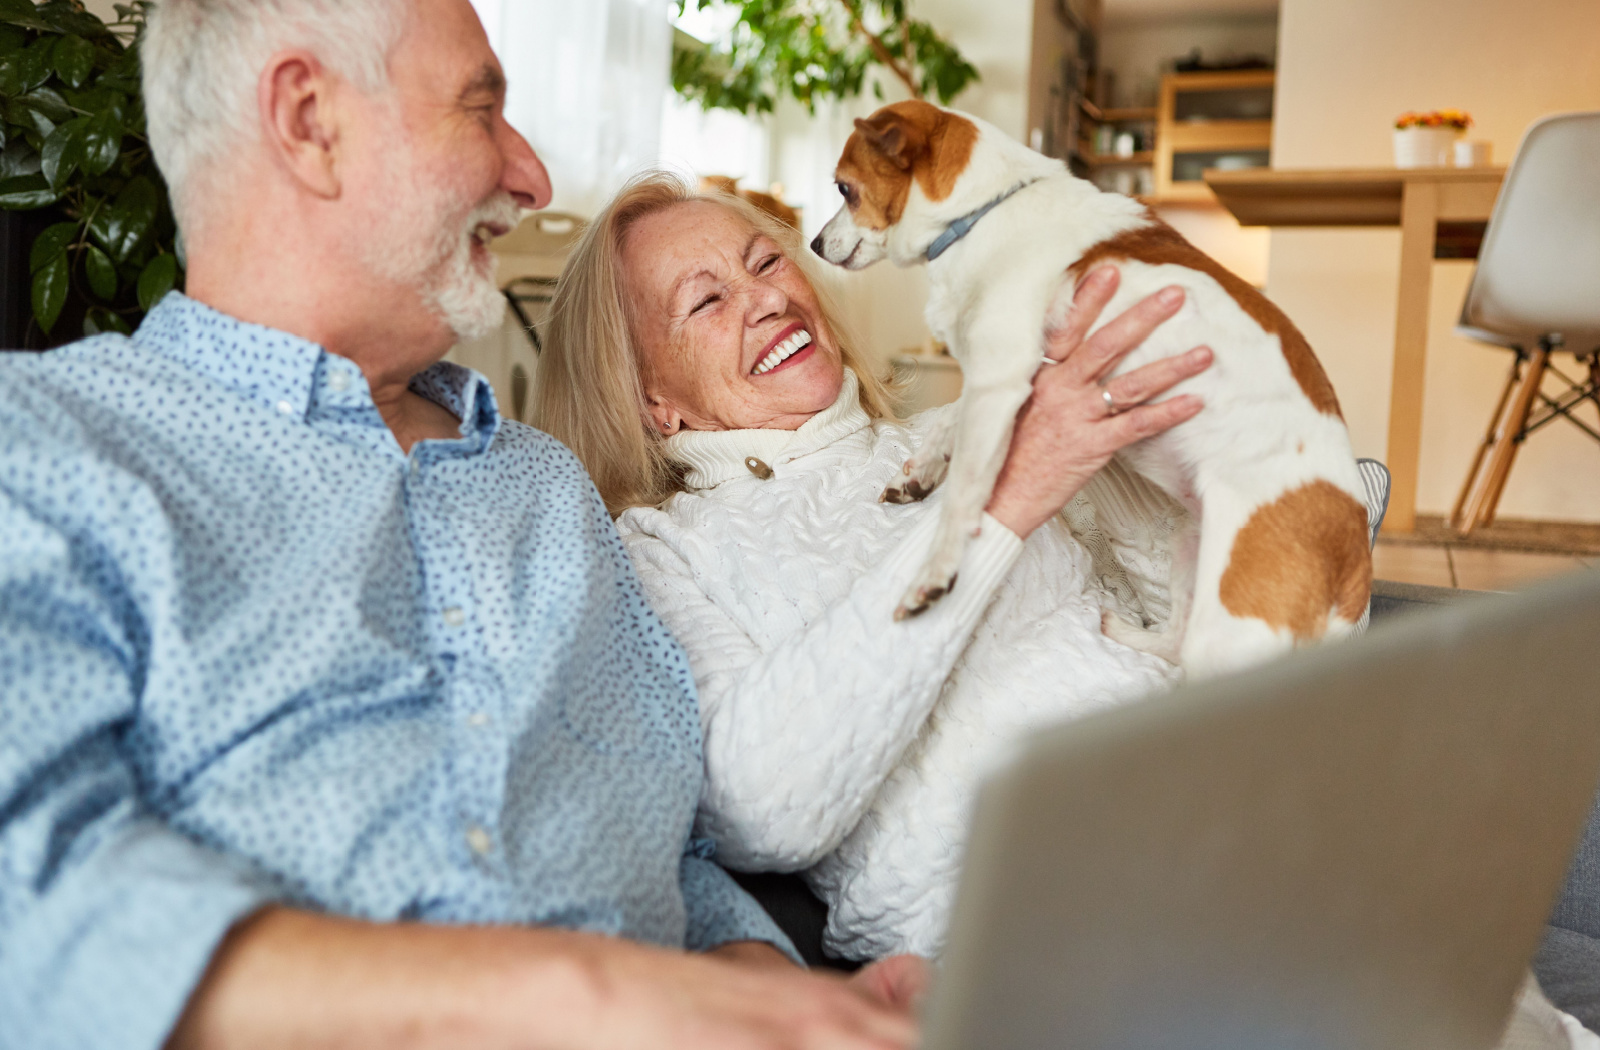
524, 177
766, 301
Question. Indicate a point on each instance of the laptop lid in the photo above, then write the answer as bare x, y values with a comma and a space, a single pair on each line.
1354, 847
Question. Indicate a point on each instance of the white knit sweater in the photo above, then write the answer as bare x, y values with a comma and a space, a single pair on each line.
838, 741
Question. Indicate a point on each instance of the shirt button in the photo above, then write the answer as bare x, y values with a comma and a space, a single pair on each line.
339, 381
454, 616
480, 841
758, 468
285, 408
478, 721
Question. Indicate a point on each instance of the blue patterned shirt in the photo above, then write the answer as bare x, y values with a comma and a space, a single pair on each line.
251, 652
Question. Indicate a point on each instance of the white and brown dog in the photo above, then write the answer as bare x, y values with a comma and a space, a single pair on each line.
1277, 551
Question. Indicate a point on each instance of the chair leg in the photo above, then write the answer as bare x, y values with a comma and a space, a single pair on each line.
1509, 440
1475, 475
1594, 376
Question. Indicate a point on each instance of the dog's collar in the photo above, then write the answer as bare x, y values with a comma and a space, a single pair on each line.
963, 226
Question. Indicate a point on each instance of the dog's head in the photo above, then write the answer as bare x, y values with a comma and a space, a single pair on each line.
901, 159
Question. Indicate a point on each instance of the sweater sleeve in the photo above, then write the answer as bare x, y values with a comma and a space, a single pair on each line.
799, 737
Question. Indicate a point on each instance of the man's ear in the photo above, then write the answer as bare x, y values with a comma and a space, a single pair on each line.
894, 137
299, 122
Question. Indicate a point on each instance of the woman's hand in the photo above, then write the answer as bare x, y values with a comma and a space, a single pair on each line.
1067, 431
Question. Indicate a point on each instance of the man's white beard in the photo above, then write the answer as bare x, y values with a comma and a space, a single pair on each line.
440, 266
470, 301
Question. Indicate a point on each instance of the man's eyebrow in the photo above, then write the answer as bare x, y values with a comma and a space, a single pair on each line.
488, 80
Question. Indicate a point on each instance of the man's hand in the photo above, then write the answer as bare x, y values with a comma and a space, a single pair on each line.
288, 978
900, 981
1065, 432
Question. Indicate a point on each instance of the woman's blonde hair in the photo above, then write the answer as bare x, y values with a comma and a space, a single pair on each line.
590, 389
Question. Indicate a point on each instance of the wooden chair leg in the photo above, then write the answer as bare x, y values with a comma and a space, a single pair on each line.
1507, 441
1475, 475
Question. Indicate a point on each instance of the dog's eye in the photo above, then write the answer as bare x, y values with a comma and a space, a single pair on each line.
844, 191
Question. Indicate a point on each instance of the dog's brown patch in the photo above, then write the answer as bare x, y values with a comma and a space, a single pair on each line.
1158, 244
1299, 558
899, 144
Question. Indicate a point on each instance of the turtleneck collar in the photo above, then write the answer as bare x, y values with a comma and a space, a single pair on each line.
714, 456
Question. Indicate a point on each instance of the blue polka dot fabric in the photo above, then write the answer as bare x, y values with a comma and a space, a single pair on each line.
251, 652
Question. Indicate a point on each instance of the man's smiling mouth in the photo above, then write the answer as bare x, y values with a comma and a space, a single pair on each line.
782, 352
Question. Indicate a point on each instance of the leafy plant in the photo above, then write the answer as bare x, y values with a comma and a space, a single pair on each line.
72, 139
814, 49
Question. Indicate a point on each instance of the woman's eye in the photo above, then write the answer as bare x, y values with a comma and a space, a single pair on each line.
702, 304
767, 265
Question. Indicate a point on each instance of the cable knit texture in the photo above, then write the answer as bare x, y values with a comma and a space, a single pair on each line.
839, 742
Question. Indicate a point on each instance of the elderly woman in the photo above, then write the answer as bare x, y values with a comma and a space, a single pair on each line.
698, 371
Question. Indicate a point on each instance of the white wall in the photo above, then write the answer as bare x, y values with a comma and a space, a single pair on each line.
1346, 69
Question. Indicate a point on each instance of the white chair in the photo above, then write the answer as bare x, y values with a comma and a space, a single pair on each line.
1537, 292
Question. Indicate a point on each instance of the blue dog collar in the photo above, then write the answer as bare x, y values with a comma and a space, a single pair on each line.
963, 226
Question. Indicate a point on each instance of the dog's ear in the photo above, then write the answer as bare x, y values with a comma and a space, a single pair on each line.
900, 141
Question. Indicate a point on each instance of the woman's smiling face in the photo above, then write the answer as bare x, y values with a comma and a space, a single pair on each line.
729, 330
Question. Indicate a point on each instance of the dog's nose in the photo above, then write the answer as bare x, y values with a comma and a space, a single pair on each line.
816, 244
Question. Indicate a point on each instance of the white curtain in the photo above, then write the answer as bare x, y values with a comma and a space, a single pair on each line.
587, 83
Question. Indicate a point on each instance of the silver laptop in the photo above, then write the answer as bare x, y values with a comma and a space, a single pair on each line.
1355, 847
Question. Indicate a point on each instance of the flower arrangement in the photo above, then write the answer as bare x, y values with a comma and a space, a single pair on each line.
1439, 118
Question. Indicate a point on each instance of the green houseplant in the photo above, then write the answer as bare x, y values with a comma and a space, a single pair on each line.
812, 50
72, 143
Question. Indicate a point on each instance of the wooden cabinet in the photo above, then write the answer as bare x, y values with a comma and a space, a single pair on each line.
1204, 121
1210, 120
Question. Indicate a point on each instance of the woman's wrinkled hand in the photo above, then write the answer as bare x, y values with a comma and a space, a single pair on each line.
1066, 431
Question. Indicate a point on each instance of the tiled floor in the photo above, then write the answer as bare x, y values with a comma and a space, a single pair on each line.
1471, 569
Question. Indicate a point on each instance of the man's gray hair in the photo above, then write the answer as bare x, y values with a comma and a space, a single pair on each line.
203, 59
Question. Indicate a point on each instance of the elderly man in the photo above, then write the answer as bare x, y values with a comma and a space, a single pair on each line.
330, 710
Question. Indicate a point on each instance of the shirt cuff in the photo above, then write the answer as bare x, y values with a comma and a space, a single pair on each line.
112, 953
722, 913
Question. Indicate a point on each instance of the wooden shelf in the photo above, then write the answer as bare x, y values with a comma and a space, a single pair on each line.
1111, 160
1197, 136
1125, 115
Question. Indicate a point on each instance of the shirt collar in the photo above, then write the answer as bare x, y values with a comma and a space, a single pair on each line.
292, 374
711, 457
256, 362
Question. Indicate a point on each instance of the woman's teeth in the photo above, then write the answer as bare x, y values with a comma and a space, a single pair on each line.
782, 352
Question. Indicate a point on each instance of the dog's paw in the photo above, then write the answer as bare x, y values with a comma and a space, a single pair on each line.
921, 478
907, 491
1156, 643
920, 598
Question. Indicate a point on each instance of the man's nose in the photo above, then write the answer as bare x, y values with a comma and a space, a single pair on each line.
524, 176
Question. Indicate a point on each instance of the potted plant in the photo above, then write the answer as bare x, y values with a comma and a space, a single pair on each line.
1425, 140
96, 241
